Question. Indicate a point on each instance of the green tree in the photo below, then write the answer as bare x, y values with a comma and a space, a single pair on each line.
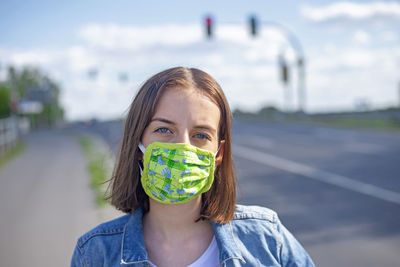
31, 84
4, 101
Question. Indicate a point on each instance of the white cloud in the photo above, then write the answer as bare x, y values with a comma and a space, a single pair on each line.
237, 61
338, 77
113, 36
353, 11
80, 59
389, 36
334, 60
361, 37
246, 68
37, 57
330, 48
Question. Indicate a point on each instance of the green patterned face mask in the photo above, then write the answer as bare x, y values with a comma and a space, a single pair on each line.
176, 173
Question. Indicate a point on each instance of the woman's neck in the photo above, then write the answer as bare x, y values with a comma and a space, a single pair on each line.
171, 234
175, 221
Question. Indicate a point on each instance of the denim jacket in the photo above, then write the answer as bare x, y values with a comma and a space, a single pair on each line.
255, 237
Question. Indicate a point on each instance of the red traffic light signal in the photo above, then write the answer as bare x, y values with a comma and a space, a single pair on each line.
209, 26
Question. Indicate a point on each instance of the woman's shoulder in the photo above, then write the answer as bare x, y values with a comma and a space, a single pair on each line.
244, 212
102, 245
254, 227
112, 227
251, 222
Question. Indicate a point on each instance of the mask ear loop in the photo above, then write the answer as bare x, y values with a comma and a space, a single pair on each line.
216, 153
143, 149
219, 146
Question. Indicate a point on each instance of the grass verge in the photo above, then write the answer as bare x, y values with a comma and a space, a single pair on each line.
371, 124
96, 163
12, 153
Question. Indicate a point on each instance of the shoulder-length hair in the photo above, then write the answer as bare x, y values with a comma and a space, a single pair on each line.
126, 191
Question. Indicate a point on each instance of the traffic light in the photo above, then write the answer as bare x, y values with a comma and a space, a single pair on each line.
285, 73
284, 69
123, 77
253, 26
93, 73
209, 26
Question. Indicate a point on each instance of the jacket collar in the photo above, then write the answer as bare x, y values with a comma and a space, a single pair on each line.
133, 249
228, 249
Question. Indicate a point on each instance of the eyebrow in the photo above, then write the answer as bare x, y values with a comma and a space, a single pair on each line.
205, 127
162, 120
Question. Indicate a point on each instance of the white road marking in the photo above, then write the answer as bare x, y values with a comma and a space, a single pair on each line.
313, 173
363, 148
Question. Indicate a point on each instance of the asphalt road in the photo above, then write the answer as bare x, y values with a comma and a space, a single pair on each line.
45, 202
337, 190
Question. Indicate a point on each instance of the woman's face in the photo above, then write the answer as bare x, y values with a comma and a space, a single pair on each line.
185, 116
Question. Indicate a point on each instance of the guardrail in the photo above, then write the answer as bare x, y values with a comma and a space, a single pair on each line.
9, 134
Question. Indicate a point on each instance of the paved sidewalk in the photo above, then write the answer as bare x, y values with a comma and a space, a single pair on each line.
45, 202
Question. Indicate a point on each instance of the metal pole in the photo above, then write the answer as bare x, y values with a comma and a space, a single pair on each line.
296, 45
301, 90
399, 94
285, 77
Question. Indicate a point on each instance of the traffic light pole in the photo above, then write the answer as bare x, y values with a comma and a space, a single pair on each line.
296, 45
285, 77
293, 41
302, 85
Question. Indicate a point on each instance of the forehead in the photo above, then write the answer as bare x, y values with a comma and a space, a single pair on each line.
187, 104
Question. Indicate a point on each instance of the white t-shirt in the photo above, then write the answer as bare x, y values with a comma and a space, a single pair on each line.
209, 258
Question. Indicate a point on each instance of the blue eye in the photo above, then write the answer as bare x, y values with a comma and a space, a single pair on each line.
202, 136
163, 130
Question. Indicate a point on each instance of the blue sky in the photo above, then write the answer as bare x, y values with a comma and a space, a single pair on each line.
49, 23
351, 49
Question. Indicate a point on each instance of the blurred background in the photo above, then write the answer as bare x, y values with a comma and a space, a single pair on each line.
314, 87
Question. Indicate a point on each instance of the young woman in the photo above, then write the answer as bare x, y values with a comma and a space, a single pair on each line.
176, 181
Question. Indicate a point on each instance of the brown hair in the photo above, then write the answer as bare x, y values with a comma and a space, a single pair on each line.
126, 191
